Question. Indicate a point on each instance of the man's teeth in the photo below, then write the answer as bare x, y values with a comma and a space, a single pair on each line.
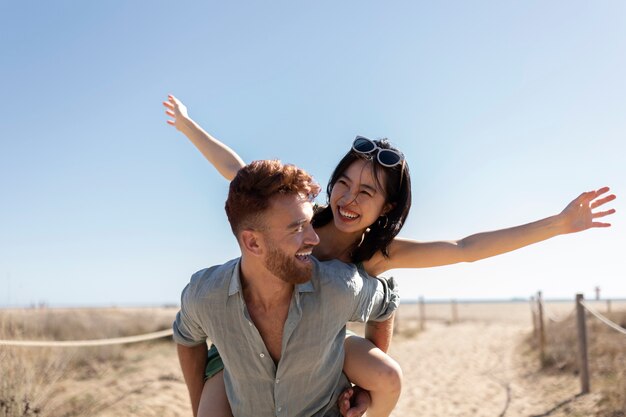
303, 256
348, 214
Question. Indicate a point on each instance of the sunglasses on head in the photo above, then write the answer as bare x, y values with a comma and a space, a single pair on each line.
386, 157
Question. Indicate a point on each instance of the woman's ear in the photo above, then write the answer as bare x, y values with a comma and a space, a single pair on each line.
387, 208
251, 242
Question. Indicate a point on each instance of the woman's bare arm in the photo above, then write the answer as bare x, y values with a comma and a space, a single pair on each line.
380, 333
579, 215
223, 158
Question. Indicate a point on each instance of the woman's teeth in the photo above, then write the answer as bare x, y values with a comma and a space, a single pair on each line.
348, 214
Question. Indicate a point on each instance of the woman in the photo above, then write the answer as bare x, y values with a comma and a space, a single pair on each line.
369, 199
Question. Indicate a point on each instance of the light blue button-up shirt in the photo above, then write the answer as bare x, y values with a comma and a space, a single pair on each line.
308, 378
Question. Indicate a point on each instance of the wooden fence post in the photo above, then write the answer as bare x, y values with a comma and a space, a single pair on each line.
422, 314
533, 314
455, 312
542, 330
582, 345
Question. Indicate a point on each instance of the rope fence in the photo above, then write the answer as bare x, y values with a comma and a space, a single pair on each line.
603, 319
422, 315
83, 343
416, 315
538, 309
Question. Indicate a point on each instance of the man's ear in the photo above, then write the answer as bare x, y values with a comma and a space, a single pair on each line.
252, 242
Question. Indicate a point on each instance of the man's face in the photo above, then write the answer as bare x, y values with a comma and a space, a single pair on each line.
289, 238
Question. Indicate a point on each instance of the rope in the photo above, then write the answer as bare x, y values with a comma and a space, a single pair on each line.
82, 343
603, 319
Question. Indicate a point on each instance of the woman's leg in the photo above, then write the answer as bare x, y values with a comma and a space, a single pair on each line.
214, 402
372, 369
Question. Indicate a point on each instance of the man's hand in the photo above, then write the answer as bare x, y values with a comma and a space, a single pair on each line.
354, 402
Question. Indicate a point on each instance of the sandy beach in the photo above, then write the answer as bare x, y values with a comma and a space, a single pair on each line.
478, 369
477, 366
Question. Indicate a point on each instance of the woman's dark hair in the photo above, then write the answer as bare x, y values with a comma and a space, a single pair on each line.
397, 188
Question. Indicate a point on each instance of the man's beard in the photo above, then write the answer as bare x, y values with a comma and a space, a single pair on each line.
287, 268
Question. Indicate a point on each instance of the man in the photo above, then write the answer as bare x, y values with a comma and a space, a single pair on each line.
276, 315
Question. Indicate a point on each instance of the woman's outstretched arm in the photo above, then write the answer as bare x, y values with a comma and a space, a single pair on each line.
224, 159
579, 215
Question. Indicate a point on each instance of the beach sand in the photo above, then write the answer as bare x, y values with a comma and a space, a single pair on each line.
478, 366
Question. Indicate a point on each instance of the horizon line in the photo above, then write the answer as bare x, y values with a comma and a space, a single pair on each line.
435, 300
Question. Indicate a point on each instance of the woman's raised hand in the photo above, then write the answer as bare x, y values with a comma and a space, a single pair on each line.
177, 110
224, 159
581, 214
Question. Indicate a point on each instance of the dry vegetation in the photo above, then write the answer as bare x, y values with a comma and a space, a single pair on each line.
607, 357
471, 367
43, 381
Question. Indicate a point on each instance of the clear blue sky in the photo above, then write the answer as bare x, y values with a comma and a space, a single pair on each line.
506, 111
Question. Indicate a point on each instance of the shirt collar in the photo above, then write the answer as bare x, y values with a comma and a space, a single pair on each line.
235, 281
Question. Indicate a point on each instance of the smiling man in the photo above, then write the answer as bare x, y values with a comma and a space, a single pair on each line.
276, 314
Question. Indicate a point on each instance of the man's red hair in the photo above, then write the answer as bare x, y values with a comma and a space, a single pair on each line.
254, 186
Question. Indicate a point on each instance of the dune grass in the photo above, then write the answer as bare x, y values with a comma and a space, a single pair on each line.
34, 379
606, 352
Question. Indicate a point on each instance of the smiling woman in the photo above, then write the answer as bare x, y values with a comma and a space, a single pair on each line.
369, 200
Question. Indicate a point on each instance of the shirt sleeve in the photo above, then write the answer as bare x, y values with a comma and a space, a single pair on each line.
377, 299
187, 328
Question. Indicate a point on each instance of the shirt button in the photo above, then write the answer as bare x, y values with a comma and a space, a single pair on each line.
262, 355
279, 409
277, 380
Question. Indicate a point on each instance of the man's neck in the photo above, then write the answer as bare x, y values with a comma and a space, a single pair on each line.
267, 299
261, 287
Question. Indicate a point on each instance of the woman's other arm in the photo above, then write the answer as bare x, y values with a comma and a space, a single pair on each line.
223, 158
380, 333
579, 215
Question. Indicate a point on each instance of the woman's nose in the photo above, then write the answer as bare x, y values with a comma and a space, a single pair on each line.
348, 198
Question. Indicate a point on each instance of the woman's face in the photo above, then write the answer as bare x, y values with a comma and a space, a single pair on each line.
356, 199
